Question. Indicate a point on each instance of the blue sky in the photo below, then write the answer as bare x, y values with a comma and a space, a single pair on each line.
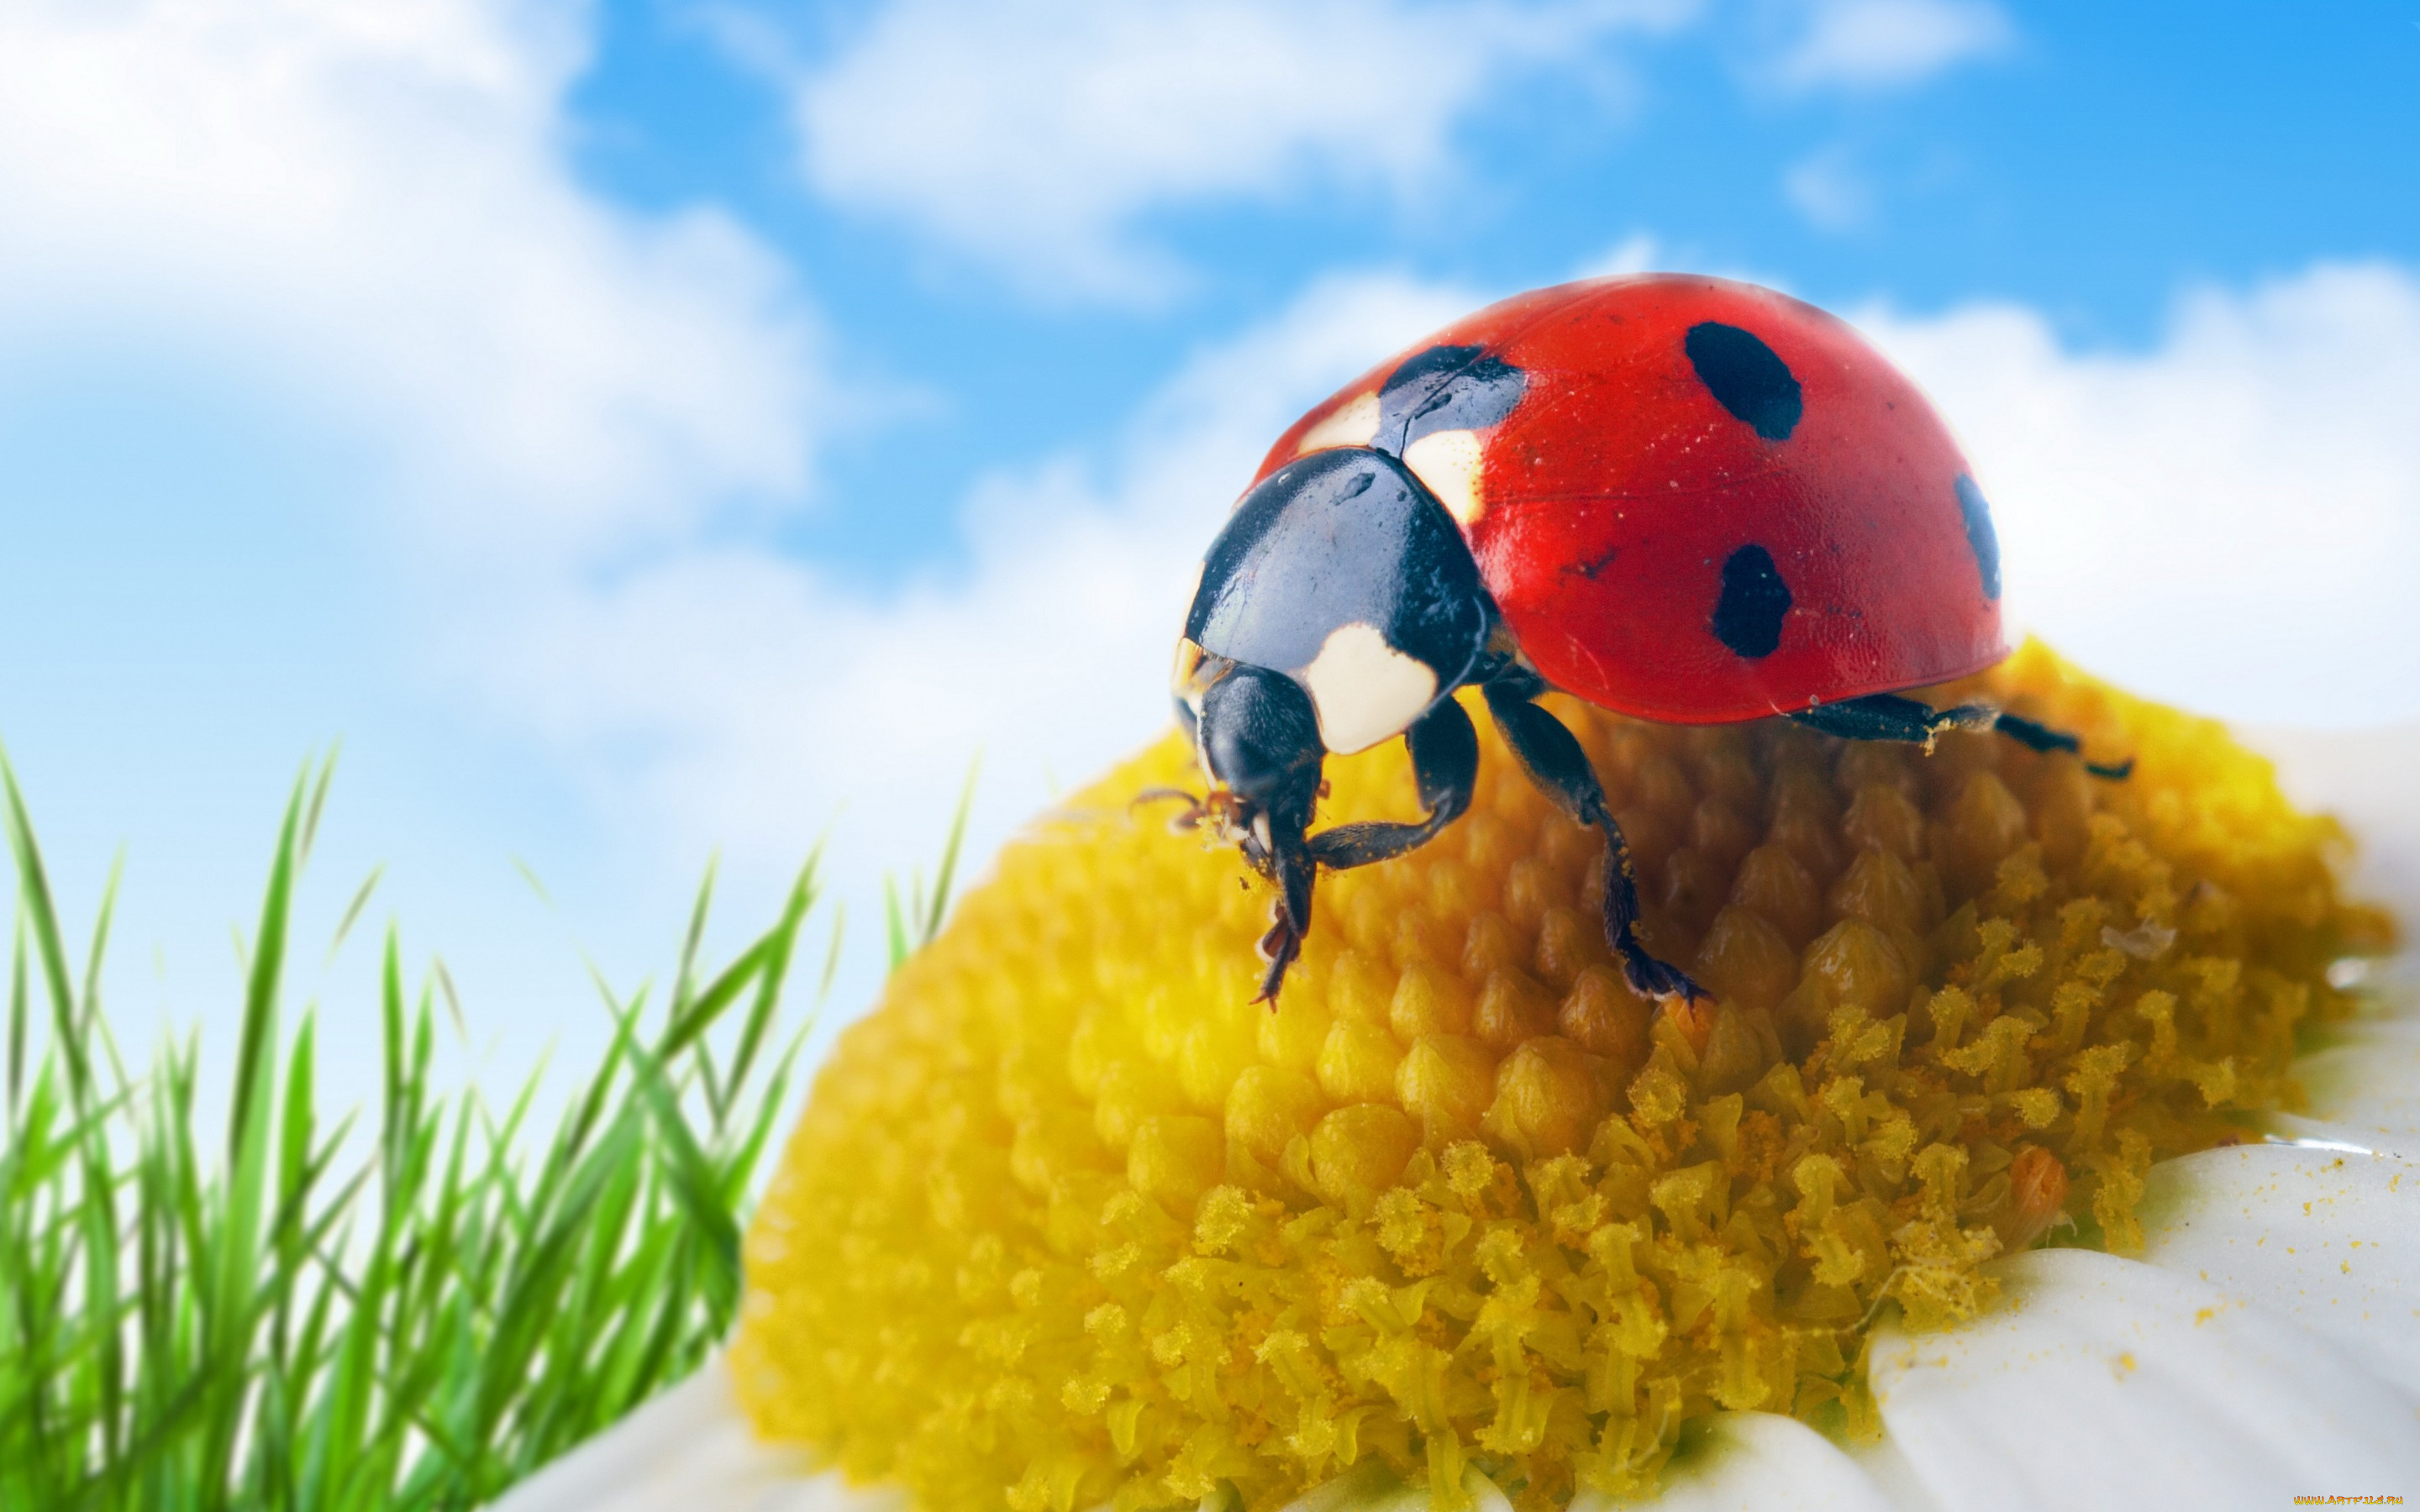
660, 428
2088, 161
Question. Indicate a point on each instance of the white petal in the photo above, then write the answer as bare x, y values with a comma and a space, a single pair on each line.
1889, 1465
690, 1451
2365, 1087
2108, 1382
2327, 1240
1750, 1461
1369, 1486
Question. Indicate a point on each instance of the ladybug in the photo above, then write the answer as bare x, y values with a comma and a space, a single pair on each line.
1680, 497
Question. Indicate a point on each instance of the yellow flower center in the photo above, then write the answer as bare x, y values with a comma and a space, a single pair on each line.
1069, 1221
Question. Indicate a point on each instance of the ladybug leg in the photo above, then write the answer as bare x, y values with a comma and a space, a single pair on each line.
1286, 862
1445, 761
1552, 757
1889, 717
2034, 736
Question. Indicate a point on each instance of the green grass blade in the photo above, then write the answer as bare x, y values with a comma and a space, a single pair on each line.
719, 994
17, 1014
319, 801
686, 972
694, 1189
260, 988
931, 925
101, 941
34, 894
831, 954
529, 874
453, 999
289, 1318
353, 909
894, 924
783, 943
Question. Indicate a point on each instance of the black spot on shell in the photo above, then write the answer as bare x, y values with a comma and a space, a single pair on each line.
1747, 618
1746, 377
1444, 388
1979, 534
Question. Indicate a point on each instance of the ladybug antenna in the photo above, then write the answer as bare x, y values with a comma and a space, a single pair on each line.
1189, 817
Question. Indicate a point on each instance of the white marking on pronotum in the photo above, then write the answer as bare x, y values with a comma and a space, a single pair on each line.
1354, 423
1448, 462
1365, 691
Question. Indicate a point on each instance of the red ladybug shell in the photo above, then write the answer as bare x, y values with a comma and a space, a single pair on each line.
1605, 505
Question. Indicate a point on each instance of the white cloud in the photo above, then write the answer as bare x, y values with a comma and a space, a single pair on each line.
1033, 136
1830, 191
1866, 44
2230, 520
363, 200
1642, 252
366, 199
1638, 252
355, 217
762, 696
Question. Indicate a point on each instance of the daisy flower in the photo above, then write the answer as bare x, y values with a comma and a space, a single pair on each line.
2048, 1141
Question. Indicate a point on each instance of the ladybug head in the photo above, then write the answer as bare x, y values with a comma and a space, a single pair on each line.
1257, 739
1336, 607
